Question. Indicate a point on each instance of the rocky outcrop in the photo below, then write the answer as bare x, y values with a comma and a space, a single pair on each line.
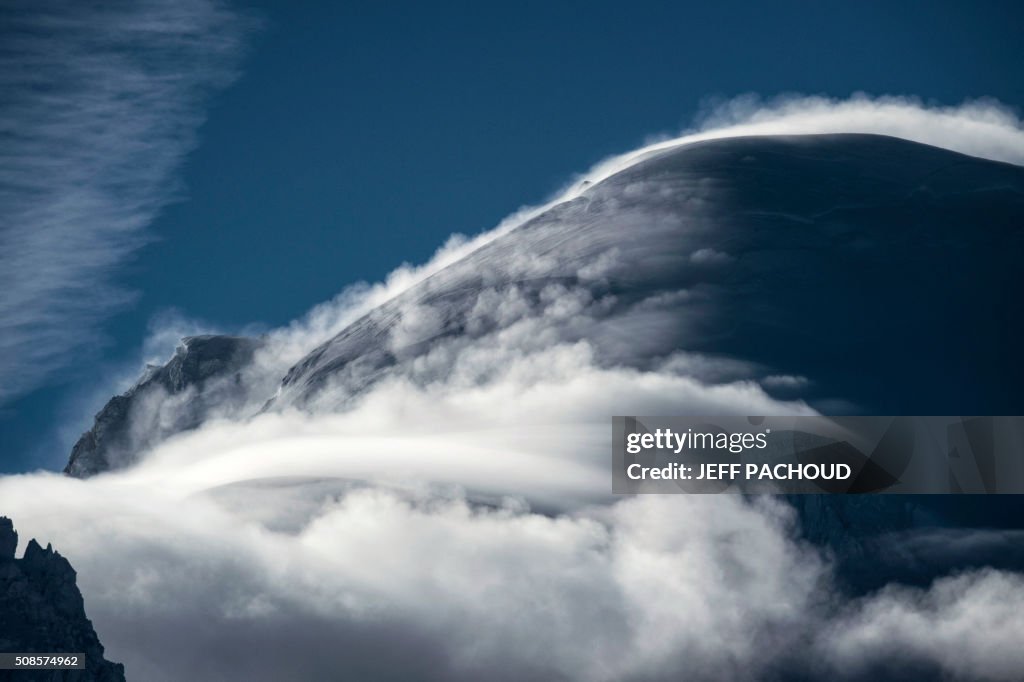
42, 611
203, 376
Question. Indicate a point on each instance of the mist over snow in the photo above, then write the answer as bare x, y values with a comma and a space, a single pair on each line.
448, 515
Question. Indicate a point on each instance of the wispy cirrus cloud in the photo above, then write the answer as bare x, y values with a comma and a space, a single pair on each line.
101, 104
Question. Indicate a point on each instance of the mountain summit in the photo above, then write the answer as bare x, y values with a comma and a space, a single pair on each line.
201, 379
868, 264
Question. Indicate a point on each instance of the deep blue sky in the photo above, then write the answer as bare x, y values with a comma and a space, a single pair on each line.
361, 135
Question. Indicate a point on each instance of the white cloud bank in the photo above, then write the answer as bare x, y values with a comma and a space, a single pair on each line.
462, 529
411, 583
101, 104
967, 625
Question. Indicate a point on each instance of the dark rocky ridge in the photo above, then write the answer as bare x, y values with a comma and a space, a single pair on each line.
42, 611
204, 372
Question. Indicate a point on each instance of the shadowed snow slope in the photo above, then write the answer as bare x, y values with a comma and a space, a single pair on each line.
809, 255
851, 271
